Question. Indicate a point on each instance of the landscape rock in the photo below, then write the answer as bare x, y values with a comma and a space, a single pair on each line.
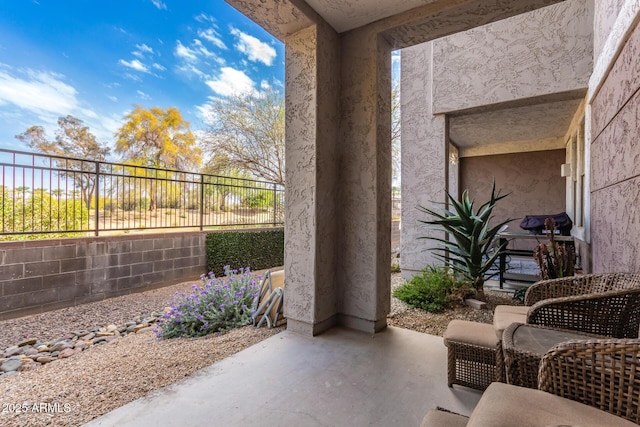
67, 352
88, 337
98, 340
140, 326
12, 351
11, 365
59, 346
8, 374
28, 341
30, 351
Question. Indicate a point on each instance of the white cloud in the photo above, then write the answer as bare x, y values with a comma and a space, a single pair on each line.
202, 49
203, 17
143, 95
112, 98
254, 48
158, 66
135, 65
191, 69
213, 37
185, 53
38, 91
231, 82
42, 94
264, 85
159, 4
144, 48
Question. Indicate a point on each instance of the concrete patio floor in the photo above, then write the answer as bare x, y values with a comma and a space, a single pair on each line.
340, 378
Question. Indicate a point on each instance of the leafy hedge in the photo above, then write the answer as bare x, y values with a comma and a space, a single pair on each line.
255, 249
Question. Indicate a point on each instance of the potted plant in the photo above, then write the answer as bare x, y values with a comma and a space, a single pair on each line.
555, 259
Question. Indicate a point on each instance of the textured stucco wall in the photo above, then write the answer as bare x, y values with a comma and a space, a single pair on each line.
615, 164
533, 179
423, 155
312, 67
605, 14
338, 206
365, 181
542, 52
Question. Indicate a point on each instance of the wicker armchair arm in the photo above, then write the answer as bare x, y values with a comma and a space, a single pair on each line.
612, 314
603, 373
558, 288
580, 285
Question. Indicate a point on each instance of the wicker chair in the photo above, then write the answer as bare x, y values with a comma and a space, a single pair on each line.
601, 304
603, 373
592, 382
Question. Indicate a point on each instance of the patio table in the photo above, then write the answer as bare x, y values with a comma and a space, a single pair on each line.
524, 345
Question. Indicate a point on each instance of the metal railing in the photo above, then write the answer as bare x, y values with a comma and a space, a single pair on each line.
62, 196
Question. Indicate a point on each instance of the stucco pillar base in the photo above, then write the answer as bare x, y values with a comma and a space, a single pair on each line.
363, 325
311, 329
351, 322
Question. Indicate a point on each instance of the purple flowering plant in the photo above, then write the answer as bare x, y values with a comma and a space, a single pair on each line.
219, 304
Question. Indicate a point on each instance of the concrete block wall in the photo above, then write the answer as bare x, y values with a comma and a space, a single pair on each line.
38, 276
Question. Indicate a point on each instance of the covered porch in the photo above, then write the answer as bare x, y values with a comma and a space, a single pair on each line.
340, 378
357, 371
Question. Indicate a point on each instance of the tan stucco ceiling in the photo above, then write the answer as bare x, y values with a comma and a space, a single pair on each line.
344, 15
547, 121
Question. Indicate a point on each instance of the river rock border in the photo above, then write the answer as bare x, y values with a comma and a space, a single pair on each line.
30, 353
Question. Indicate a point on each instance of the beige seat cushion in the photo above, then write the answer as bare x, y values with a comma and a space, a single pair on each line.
504, 315
508, 405
436, 418
480, 334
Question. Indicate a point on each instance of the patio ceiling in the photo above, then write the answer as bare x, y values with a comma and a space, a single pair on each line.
534, 127
344, 15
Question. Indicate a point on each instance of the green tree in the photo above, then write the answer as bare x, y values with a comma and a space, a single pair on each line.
222, 181
158, 138
73, 139
249, 131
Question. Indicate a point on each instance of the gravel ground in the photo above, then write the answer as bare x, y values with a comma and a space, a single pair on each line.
106, 377
403, 316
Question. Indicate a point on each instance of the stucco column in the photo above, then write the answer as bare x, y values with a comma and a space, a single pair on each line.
424, 157
312, 120
365, 181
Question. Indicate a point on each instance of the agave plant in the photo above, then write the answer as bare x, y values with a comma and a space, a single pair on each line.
469, 254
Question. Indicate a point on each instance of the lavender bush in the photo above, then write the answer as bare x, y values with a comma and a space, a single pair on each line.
220, 304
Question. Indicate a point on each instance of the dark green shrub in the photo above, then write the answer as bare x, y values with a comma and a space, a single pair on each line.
256, 249
434, 290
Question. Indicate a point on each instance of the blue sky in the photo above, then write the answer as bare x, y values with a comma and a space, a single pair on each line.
95, 60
